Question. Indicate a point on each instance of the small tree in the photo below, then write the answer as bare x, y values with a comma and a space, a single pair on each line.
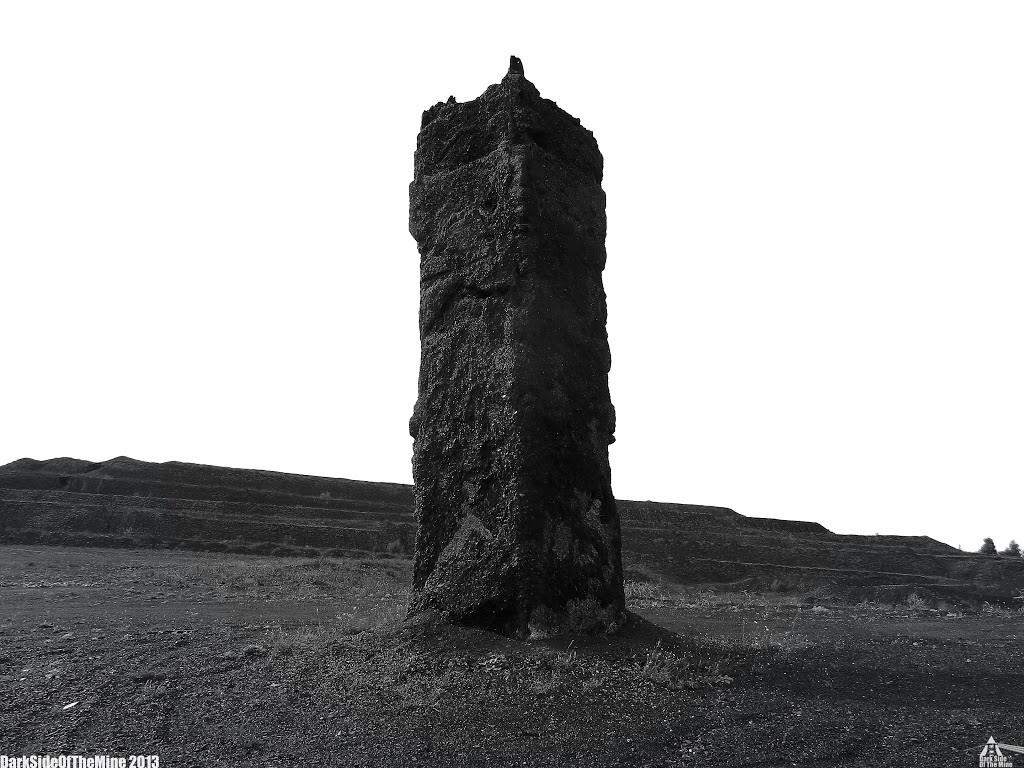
1013, 549
988, 548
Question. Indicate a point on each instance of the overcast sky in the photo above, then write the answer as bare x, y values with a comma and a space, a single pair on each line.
815, 240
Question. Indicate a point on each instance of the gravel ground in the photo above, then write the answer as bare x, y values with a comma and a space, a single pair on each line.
226, 660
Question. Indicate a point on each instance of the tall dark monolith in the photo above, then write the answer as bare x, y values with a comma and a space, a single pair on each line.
517, 526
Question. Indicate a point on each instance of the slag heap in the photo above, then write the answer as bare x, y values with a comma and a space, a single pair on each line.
517, 526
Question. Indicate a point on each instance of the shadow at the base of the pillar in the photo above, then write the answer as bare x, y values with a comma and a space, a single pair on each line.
430, 621
493, 618
640, 631
636, 634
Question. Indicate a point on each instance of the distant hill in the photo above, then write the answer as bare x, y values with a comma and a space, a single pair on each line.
126, 502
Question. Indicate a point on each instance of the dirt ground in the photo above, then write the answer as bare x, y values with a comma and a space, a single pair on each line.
228, 660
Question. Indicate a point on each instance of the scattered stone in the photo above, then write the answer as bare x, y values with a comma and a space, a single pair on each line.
147, 675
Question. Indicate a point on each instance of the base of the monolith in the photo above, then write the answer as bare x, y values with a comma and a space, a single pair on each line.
579, 618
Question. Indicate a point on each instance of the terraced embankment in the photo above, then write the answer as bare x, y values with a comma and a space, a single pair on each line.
129, 503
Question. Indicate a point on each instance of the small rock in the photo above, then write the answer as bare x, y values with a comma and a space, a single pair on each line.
146, 676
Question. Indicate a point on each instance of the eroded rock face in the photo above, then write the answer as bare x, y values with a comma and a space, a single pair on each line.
517, 525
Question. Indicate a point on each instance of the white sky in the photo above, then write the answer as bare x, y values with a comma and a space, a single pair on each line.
814, 254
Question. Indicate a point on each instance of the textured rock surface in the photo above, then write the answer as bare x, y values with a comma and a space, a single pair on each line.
517, 526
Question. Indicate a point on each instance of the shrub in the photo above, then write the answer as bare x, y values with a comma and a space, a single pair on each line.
1013, 549
579, 617
676, 672
586, 617
644, 593
916, 602
988, 547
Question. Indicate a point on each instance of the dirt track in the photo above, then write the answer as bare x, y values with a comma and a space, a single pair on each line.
210, 659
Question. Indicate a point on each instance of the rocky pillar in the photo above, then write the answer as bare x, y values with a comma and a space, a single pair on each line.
517, 525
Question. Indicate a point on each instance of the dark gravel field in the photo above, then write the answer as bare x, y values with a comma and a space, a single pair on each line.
210, 659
